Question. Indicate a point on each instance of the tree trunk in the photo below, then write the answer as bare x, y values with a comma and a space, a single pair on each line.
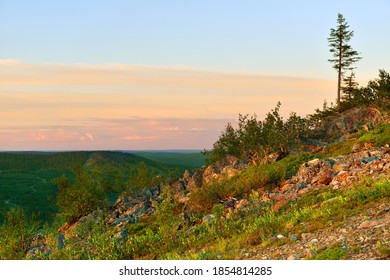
339, 70
339, 86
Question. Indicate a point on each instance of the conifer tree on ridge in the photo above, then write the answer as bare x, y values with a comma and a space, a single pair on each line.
343, 54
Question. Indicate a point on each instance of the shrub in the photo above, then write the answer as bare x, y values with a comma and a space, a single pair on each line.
81, 198
141, 177
16, 234
254, 139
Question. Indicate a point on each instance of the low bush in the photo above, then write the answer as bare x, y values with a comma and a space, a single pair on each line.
81, 198
16, 234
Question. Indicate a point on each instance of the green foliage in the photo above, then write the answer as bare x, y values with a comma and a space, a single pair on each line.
29, 189
367, 190
254, 140
140, 177
203, 199
183, 160
380, 89
81, 198
350, 86
378, 137
337, 149
383, 248
227, 144
264, 226
92, 239
22, 161
315, 119
16, 234
376, 94
331, 254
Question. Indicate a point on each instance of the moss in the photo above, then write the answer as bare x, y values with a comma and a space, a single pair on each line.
331, 254
383, 248
378, 137
338, 149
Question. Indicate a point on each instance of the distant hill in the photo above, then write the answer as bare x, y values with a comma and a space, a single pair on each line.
185, 158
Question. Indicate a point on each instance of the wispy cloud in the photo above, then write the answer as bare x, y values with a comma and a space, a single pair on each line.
108, 105
100, 133
10, 62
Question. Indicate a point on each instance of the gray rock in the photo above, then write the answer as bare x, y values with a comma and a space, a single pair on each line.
121, 235
294, 237
208, 218
293, 257
60, 241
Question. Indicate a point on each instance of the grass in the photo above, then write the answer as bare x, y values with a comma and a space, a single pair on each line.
338, 149
383, 248
331, 254
378, 137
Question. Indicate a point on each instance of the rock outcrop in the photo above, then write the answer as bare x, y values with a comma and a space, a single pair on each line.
350, 121
337, 172
128, 209
226, 168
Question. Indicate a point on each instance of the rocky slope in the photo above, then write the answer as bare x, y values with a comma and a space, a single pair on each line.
361, 234
337, 172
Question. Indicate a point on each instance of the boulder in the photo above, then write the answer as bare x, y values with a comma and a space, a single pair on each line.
187, 176
375, 223
315, 171
196, 180
324, 177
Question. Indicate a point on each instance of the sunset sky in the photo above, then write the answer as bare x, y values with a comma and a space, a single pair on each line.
131, 75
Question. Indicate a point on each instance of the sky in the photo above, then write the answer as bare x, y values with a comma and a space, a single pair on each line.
153, 75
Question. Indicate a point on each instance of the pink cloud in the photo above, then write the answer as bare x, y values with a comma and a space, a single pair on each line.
87, 136
137, 138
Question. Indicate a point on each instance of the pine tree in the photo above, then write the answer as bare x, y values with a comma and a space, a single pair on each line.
344, 55
350, 85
